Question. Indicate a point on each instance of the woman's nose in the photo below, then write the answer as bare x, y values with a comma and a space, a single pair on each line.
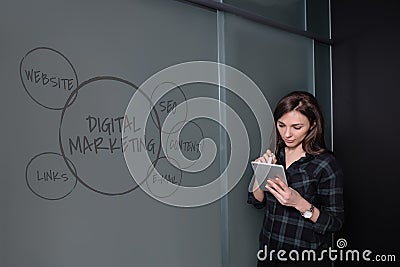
288, 133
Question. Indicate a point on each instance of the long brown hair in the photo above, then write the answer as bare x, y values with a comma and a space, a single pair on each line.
306, 104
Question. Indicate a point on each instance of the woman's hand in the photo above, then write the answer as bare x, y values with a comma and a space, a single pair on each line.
289, 197
284, 194
265, 156
257, 191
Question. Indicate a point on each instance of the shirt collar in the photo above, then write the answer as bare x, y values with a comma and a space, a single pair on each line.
282, 159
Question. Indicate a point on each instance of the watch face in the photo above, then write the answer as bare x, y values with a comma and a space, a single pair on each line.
307, 214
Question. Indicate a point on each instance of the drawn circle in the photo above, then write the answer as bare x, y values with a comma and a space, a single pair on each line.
161, 91
175, 132
68, 103
208, 155
51, 178
210, 108
48, 77
341, 243
167, 187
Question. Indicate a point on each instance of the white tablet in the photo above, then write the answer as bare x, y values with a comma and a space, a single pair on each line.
264, 171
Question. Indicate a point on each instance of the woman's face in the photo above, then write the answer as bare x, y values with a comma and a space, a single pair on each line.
293, 128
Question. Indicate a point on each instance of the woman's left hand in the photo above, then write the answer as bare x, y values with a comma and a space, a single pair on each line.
284, 194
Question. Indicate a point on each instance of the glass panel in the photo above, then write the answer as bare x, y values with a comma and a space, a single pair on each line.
278, 62
318, 17
323, 91
289, 12
108, 48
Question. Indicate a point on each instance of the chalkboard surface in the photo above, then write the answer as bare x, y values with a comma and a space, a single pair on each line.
69, 70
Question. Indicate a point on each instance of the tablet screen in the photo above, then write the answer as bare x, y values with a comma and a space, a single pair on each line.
265, 171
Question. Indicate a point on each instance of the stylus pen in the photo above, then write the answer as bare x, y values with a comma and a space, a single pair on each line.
270, 159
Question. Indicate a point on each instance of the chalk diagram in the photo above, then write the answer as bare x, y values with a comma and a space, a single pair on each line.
115, 137
92, 120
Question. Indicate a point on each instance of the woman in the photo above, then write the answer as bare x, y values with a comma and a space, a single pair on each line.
300, 216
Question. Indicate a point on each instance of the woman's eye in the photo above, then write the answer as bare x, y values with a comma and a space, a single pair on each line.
280, 125
297, 128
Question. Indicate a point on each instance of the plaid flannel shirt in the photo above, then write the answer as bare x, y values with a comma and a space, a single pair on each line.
318, 179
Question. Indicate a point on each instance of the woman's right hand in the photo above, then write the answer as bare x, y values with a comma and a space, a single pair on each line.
265, 156
257, 191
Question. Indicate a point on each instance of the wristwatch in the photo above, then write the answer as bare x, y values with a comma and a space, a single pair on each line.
308, 213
